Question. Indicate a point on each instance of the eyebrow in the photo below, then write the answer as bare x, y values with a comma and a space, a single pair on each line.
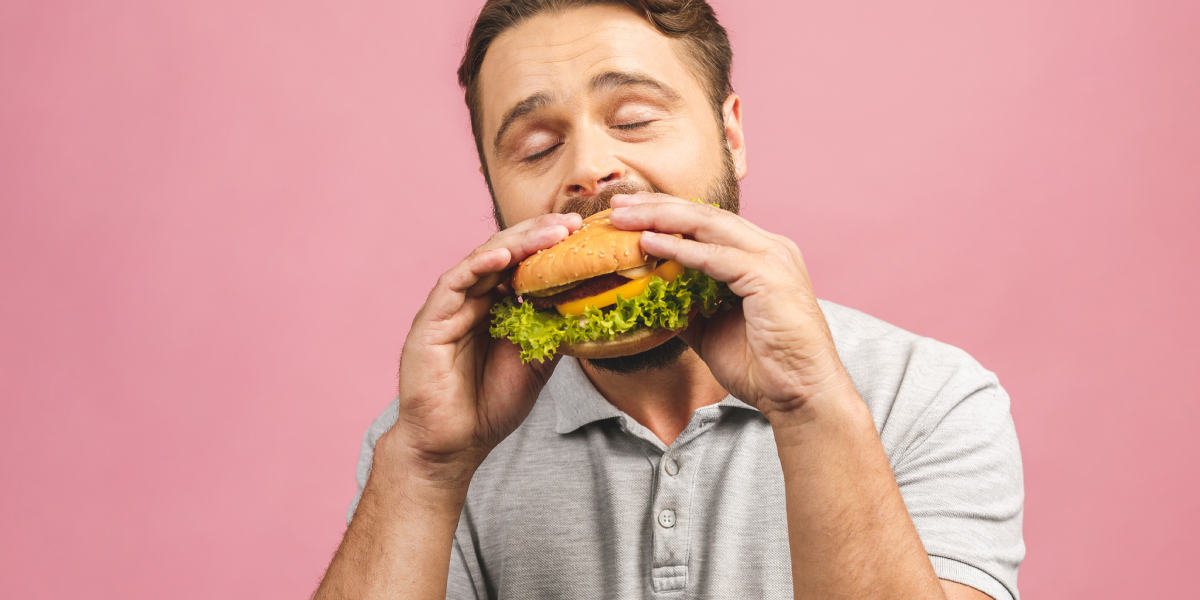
519, 110
611, 80
606, 81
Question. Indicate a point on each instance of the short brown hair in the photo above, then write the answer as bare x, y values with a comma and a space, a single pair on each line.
692, 21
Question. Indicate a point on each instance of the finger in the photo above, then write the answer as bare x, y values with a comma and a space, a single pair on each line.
480, 278
450, 292
485, 267
626, 200
723, 263
489, 271
542, 221
699, 221
479, 264
531, 235
457, 328
481, 271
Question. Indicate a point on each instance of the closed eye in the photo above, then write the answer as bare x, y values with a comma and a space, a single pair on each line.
629, 126
542, 154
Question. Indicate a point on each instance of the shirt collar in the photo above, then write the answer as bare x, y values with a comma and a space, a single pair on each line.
578, 403
575, 398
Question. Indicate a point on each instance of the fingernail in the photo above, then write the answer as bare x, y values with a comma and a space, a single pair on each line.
619, 210
647, 234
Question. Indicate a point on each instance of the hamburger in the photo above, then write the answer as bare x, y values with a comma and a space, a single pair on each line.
597, 294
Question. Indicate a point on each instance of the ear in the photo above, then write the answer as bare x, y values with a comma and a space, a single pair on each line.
481, 171
735, 136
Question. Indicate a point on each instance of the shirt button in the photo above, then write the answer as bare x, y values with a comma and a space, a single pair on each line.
671, 466
666, 518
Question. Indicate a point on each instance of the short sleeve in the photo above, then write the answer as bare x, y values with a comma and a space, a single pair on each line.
366, 453
962, 483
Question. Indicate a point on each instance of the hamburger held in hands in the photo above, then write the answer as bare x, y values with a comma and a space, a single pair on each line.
596, 294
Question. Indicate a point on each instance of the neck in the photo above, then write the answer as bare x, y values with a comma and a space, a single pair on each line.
661, 400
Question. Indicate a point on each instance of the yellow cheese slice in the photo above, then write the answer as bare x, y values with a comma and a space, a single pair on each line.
668, 271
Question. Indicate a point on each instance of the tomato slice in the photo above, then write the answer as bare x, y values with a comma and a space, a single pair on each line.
668, 271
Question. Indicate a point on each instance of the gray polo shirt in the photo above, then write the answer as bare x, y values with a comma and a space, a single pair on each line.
582, 501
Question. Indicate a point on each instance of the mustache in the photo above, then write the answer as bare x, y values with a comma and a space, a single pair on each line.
587, 206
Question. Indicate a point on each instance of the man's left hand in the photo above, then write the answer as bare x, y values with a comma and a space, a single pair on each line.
774, 351
848, 530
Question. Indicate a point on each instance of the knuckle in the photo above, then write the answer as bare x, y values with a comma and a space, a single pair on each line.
709, 211
791, 246
779, 254
707, 252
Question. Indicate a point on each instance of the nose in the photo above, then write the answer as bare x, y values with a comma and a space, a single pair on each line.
593, 167
590, 186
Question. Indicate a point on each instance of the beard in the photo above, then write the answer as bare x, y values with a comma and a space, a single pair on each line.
662, 356
725, 192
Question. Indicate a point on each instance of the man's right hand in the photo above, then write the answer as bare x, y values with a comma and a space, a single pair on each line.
461, 393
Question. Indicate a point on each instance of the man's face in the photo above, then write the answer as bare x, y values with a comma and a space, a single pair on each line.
580, 104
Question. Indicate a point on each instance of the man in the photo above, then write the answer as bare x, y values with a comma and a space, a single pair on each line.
786, 447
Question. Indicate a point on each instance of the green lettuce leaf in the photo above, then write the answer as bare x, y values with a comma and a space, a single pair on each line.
662, 304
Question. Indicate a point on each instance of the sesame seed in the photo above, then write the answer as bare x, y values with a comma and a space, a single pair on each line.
589, 251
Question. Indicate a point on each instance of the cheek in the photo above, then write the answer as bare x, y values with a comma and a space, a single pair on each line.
521, 199
682, 165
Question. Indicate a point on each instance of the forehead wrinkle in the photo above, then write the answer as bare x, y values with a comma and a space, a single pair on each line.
594, 32
523, 54
568, 59
582, 37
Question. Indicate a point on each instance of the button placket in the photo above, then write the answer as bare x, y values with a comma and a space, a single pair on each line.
671, 517
670, 525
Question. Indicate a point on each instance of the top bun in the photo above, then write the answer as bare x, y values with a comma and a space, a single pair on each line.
597, 248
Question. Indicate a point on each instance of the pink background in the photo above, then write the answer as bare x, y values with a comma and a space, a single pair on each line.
217, 219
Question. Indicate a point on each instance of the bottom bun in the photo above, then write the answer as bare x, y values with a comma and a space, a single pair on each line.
624, 344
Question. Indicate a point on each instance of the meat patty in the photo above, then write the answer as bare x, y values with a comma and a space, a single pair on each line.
589, 287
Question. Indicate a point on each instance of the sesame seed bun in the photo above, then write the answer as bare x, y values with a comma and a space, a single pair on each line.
597, 248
